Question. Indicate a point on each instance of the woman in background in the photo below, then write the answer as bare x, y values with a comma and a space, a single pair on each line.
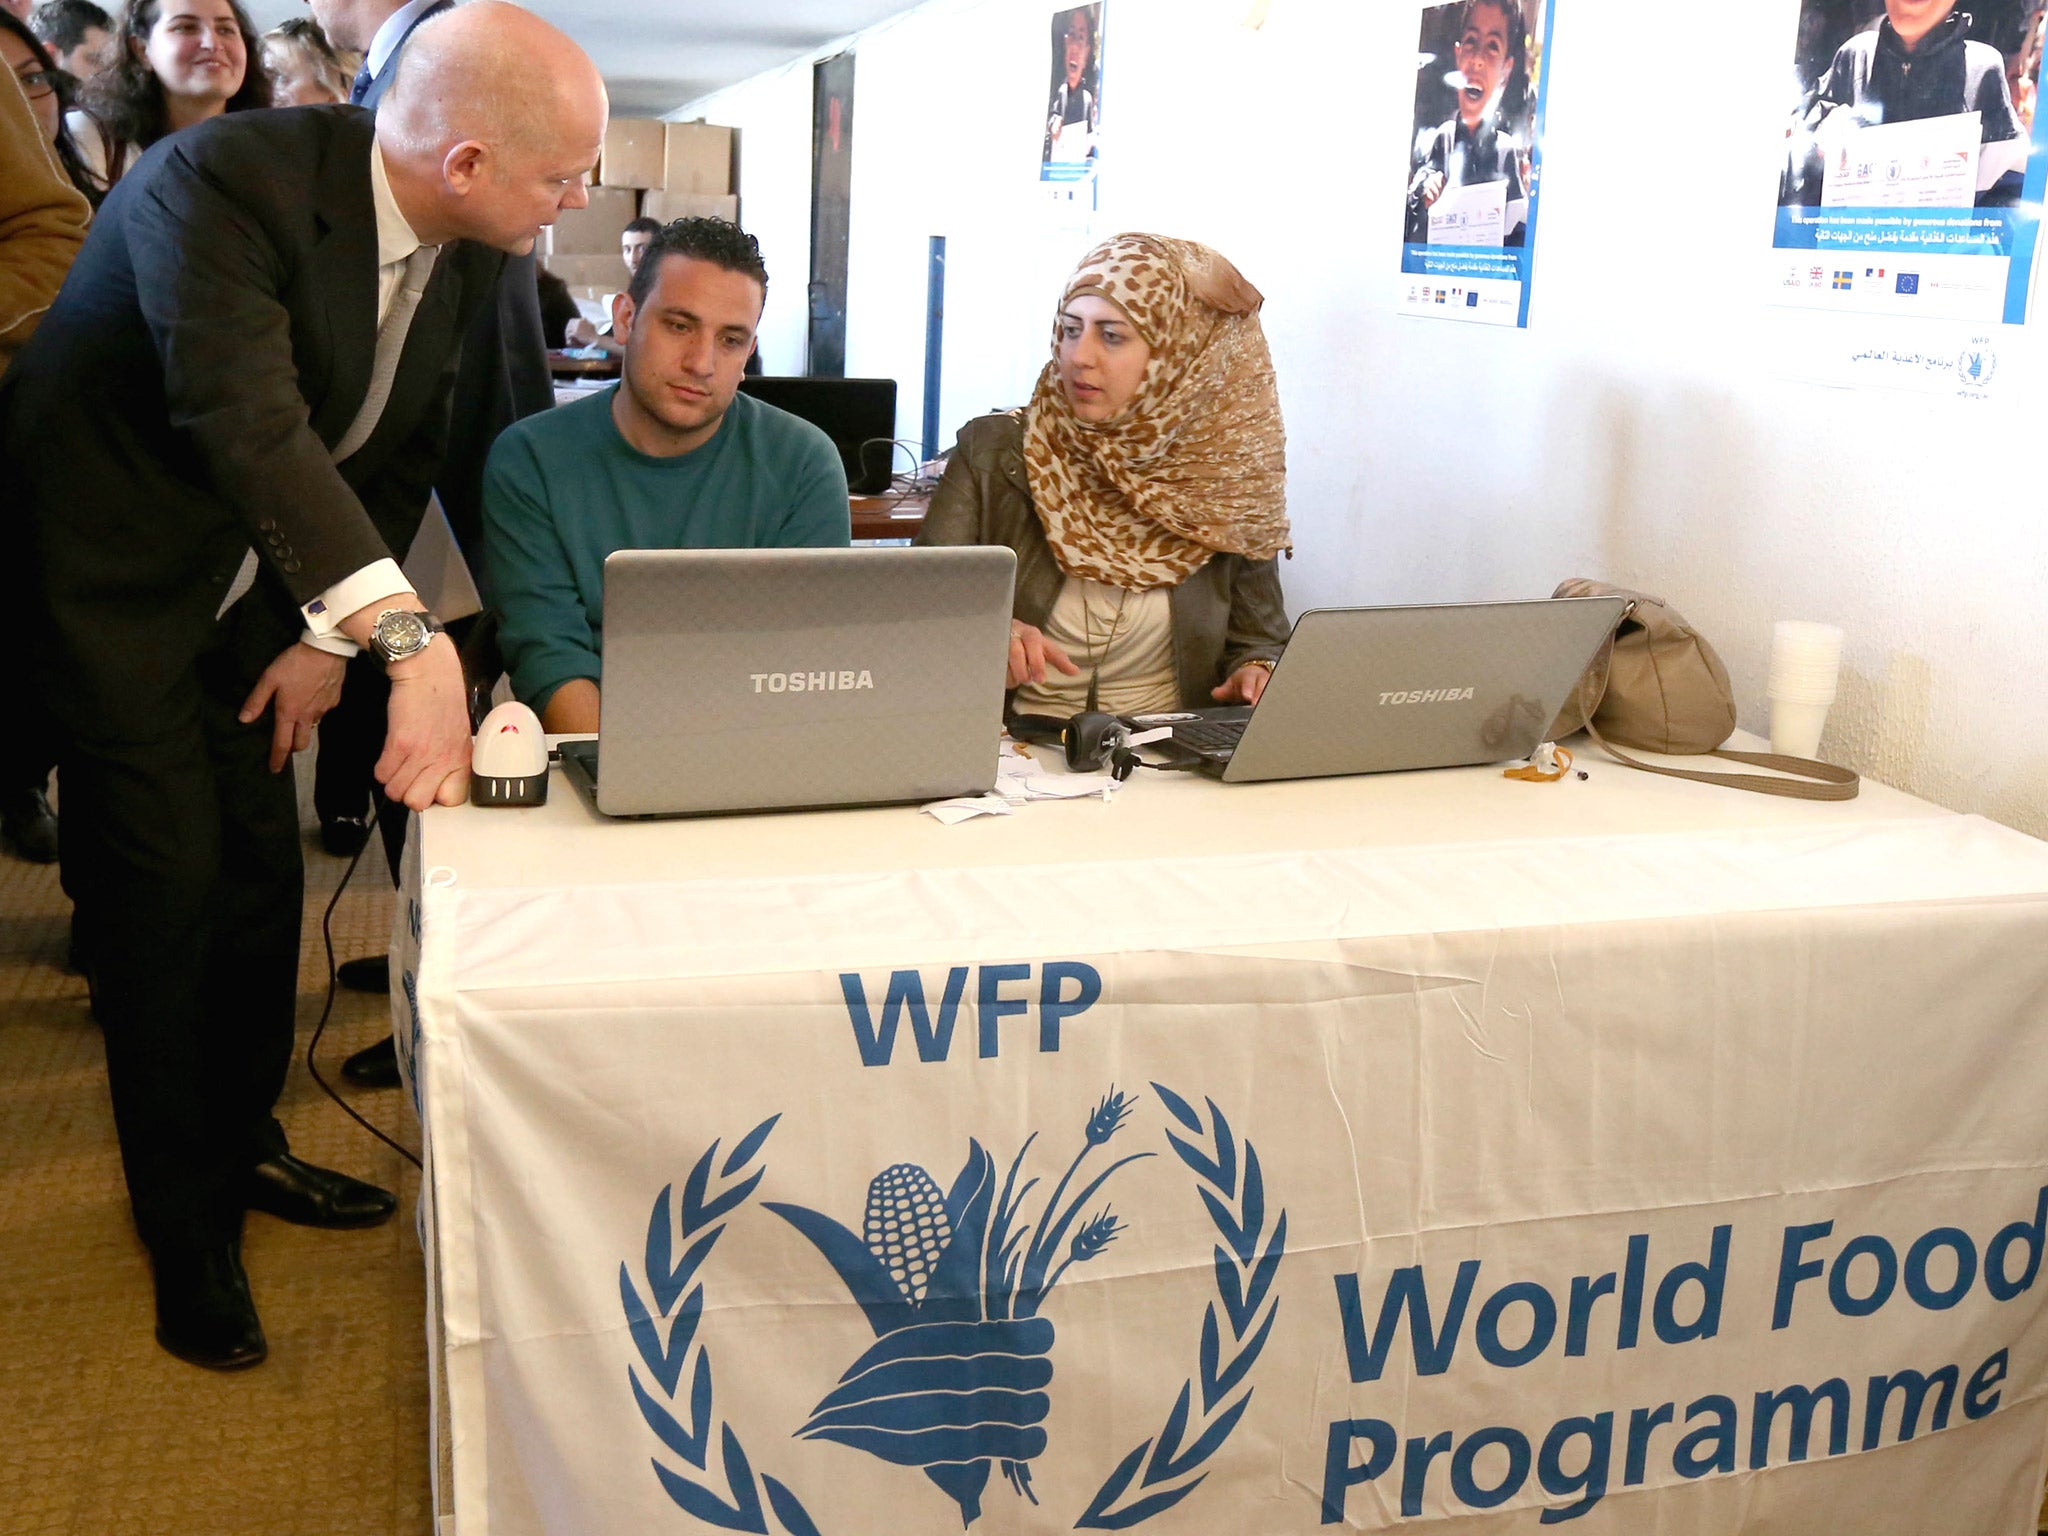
176, 63
1144, 491
46, 86
305, 71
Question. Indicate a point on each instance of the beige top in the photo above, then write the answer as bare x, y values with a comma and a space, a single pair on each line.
92, 147
1129, 634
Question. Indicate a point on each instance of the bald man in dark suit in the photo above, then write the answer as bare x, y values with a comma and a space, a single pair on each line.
226, 426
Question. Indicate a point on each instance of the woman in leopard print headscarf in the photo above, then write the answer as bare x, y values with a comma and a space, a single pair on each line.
1144, 490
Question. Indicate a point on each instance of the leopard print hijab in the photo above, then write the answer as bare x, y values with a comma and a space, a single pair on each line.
1197, 463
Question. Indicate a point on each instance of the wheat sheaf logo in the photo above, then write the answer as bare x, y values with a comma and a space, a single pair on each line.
955, 1283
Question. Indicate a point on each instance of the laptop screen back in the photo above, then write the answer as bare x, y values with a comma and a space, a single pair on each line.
1372, 690
777, 678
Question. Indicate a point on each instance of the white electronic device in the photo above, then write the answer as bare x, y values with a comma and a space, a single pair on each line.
510, 763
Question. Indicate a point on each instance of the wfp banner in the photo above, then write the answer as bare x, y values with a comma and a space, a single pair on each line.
1914, 165
1468, 241
1680, 1223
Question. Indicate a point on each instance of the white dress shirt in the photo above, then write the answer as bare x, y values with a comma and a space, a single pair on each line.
392, 33
395, 243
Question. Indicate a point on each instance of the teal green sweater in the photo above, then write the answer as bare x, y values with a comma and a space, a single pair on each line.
562, 490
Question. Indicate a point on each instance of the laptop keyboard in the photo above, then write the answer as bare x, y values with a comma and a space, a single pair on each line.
1218, 737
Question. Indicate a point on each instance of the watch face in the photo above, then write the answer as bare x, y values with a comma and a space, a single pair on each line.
400, 634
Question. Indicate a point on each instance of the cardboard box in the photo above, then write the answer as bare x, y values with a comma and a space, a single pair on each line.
634, 148
591, 276
592, 231
666, 206
698, 158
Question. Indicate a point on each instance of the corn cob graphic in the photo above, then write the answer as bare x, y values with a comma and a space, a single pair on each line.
956, 1380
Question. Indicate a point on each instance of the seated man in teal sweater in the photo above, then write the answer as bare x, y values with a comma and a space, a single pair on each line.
672, 457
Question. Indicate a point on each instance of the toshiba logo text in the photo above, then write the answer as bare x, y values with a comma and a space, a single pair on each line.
811, 682
1427, 696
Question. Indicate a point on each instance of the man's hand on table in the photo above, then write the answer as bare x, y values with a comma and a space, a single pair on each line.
426, 739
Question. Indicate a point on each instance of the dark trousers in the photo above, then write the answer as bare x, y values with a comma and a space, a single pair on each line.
182, 851
351, 741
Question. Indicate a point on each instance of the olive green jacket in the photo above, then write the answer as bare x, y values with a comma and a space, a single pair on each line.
1225, 614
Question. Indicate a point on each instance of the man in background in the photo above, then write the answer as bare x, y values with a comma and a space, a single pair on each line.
77, 33
633, 242
226, 428
672, 457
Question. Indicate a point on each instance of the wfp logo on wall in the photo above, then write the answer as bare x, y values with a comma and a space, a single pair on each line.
959, 1287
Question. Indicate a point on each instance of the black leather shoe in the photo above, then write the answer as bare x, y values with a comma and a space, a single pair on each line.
344, 836
204, 1313
29, 827
370, 973
296, 1191
374, 1066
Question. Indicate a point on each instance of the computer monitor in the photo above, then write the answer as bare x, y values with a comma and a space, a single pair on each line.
859, 415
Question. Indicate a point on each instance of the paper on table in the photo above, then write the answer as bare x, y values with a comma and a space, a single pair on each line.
952, 812
1927, 163
1469, 215
1019, 781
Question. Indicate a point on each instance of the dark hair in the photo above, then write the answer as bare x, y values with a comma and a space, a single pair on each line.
127, 99
713, 240
63, 23
67, 147
642, 226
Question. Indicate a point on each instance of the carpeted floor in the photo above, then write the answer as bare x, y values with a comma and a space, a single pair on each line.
101, 1432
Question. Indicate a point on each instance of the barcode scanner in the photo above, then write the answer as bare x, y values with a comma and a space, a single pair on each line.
1092, 739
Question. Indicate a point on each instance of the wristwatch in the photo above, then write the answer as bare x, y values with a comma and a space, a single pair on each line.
400, 633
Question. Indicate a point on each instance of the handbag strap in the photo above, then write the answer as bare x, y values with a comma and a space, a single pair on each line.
1819, 781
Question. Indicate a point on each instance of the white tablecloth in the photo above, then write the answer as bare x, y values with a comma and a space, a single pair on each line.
1421, 1150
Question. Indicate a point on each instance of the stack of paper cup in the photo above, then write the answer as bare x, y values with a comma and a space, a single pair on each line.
1805, 662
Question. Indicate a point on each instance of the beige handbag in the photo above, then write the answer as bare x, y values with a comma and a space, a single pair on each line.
1656, 685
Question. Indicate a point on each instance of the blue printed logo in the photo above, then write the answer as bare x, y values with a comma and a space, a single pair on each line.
955, 1284
1907, 282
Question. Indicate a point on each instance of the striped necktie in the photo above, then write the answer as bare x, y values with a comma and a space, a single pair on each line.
419, 267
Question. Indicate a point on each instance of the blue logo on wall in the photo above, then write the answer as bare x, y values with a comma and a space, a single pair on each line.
954, 1283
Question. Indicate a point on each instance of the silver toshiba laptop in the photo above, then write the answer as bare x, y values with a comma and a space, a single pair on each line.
1375, 690
776, 679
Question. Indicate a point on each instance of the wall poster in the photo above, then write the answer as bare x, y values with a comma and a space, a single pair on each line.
1914, 166
1071, 158
1468, 240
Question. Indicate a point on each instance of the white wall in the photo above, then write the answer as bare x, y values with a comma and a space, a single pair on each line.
1639, 430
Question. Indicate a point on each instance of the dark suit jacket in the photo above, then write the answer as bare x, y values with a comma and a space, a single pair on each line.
504, 374
179, 401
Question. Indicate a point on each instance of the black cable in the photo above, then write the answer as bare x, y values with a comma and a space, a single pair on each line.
333, 982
